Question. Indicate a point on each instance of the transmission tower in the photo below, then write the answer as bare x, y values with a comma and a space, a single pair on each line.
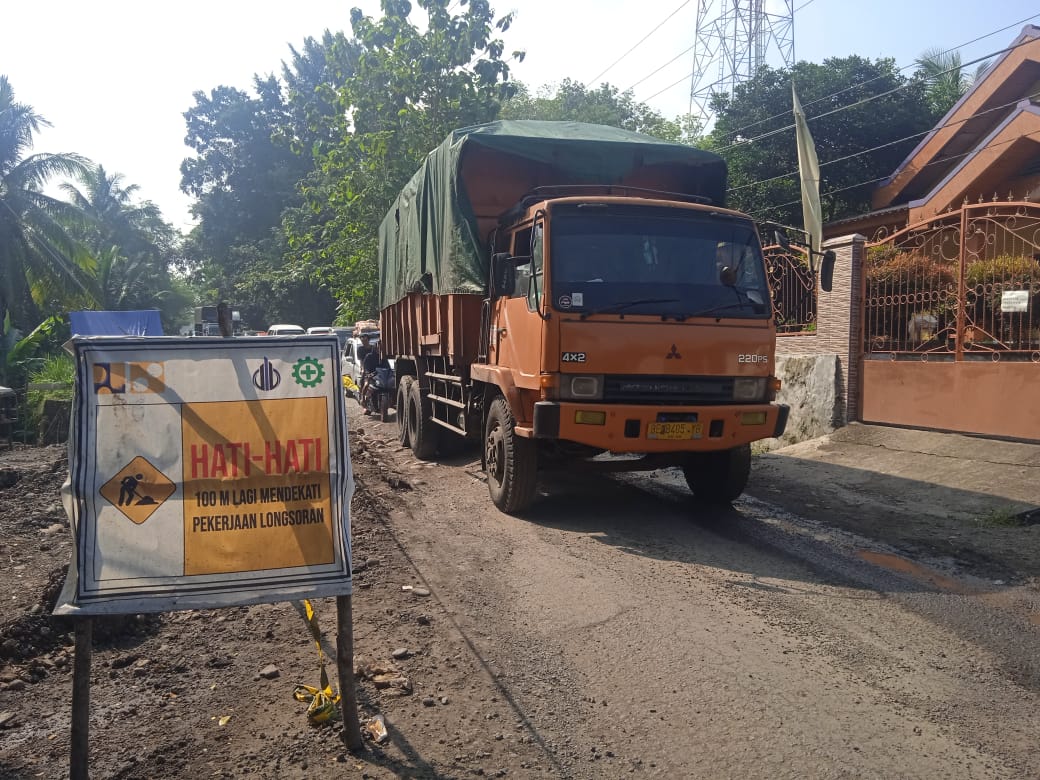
734, 38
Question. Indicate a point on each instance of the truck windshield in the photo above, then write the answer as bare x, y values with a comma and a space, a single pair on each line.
658, 261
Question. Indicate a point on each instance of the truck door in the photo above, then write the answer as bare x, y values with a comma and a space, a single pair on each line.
517, 337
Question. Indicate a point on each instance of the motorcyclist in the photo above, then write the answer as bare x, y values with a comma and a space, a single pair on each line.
373, 359
364, 348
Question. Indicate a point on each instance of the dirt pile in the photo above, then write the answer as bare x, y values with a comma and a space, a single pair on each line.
211, 692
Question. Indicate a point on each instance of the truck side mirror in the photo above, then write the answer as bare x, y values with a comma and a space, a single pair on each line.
827, 270
503, 275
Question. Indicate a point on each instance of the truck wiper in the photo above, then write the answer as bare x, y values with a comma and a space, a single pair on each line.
621, 305
724, 307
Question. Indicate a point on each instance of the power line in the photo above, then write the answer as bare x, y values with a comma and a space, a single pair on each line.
767, 209
654, 73
878, 78
846, 89
883, 178
870, 99
803, 5
640, 42
893, 143
673, 84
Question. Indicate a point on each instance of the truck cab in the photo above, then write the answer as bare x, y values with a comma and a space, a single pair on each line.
636, 325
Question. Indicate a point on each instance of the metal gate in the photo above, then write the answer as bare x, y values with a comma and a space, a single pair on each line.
951, 333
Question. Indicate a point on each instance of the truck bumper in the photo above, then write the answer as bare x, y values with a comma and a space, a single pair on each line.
648, 428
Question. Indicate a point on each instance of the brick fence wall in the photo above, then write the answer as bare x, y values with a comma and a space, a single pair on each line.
838, 324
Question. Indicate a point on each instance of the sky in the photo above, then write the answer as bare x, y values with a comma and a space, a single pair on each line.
114, 77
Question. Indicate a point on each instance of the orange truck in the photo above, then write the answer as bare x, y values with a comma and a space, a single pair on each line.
566, 294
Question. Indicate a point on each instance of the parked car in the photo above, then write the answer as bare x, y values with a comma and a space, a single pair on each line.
286, 330
321, 330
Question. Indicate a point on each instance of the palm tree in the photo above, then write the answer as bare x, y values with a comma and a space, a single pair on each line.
113, 216
946, 78
129, 239
39, 260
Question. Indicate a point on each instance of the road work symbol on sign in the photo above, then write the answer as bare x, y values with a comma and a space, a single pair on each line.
138, 489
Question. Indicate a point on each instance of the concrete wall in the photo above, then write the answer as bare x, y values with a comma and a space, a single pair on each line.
812, 388
837, 336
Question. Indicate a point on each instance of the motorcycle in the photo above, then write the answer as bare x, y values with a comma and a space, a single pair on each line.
379, 393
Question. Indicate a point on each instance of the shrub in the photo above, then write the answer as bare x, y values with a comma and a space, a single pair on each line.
1011, 271
986, 281
58, 370
894, 270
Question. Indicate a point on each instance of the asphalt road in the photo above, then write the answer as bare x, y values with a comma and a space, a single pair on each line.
631, 630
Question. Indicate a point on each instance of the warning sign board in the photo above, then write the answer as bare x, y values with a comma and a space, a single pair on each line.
206, 473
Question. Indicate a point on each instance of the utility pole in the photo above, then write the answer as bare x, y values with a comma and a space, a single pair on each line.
734, 38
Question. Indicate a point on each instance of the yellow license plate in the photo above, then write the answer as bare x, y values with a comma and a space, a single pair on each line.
674, 430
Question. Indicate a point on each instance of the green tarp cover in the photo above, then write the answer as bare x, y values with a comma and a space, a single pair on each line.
429, 240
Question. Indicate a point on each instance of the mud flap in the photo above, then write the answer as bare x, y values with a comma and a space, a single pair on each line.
781, 420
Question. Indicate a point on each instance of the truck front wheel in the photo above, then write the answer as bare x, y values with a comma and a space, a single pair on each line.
510, 462
719, 477
422, 433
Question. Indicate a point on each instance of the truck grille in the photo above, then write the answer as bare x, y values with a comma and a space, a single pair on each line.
668, 389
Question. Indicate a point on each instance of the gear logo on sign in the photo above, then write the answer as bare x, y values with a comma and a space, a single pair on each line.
138, 489
308, 372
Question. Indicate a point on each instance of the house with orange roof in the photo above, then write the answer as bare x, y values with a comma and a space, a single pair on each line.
934, 312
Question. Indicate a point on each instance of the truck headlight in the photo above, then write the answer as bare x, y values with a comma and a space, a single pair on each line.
581, 388
749, 388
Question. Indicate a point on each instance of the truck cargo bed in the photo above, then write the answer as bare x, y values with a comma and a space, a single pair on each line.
434, 326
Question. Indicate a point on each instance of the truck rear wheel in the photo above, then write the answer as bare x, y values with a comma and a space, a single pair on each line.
402, 410
510, 462
422, 434
719, 477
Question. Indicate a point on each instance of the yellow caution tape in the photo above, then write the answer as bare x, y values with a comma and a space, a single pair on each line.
321, 707
322, 700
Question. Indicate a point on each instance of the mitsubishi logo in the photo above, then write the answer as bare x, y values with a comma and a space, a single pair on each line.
674, 354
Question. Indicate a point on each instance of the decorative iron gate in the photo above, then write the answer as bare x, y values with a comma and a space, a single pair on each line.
792, 287
951, 331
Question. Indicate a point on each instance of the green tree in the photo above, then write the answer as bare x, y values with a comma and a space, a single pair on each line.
946, 78
251, 153
410, 88
754, 132
133, 246
572, 101
241, 177
312, 82
43, 265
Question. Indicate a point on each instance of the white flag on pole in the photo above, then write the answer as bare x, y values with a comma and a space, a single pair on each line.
809, 174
